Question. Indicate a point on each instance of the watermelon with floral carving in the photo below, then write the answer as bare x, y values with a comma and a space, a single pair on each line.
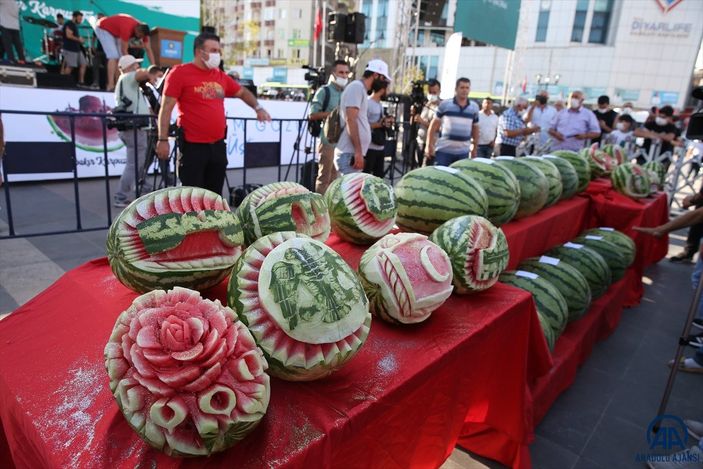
405, 277
283, 206
362, 207
186, 373
477, 249
601, 162
632, 180
617, 152
303, 304
177, 236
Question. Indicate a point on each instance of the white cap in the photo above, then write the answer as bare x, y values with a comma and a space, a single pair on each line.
127, 61
380, 67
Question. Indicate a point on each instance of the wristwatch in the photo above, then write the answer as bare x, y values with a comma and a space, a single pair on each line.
259, 107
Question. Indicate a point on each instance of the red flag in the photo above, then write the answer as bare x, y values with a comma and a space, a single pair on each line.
524, 85
318, 24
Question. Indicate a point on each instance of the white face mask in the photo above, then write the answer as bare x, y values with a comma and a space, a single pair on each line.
432, 98
213, 60
626, 110
575, 103
660, 121
620, 126
341, 81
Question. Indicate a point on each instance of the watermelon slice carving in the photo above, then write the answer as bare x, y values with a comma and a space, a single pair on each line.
632, 180
303, 304
406, 277
601, 162
186, 374
477, 249
177, 236
88, 130
283, 206
362, 207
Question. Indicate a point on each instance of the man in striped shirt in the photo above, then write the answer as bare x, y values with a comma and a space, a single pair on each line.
459, 121
512, 129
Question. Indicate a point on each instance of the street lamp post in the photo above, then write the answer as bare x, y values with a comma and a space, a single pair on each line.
543, 81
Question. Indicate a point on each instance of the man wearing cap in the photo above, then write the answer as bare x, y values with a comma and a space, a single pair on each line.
353, 106
200, 87
114, 33
130, 97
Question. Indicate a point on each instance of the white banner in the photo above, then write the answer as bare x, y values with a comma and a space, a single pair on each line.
90, 152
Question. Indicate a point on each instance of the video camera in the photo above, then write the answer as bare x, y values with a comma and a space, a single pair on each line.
315, 77
694, 131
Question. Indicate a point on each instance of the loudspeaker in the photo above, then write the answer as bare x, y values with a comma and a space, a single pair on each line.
53, 80
356, 28
336, 27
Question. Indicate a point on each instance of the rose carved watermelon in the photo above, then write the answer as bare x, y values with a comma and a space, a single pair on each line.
552, 174
632, 180
362, 207
588, 262
569, 281
186, 373
283, 206
177, 236
551, 305
405, 277
534, 186
501, 186
580, 164
569, 178
625, 243
478, 251
429, 196
657, 173
303, 304
615, 151
602, 164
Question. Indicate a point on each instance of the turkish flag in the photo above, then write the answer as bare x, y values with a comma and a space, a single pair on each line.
318, 24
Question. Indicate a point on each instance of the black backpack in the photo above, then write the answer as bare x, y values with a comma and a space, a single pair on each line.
315, 126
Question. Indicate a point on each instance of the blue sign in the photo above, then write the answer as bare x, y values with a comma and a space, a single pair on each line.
627, 95
248, 73
661, 98
171, 49
280, 74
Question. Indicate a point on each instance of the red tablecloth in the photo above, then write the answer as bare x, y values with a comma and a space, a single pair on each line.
401, 402
534, 235
610, 208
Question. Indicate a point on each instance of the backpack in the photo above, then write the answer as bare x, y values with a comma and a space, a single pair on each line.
315, 126
333, 126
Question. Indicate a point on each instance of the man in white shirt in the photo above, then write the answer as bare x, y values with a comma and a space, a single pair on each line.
541, 115
10, 30
487, 127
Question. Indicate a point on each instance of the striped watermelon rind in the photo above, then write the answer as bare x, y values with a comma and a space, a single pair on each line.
626, 244
534, 186
362, 207
601, 163
302, 303
176, 236
632, 180
553, 176
587, 261
616, 151
580, 164
429, 196
610, 252
477, 249
501, 186
283, 206
657, 173
569, 178
569, 281
551, 305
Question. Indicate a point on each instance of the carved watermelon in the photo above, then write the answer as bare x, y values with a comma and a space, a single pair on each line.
88, 130
406, 277
186, 373
303, 304
601, 162
177, 236
362, 207
477, 249
617, 152
283, 206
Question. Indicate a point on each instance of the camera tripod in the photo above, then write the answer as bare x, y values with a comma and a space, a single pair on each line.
162, 175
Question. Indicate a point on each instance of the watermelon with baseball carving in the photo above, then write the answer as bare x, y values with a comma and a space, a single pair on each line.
303, 304
406, 277
177, 236
186, 373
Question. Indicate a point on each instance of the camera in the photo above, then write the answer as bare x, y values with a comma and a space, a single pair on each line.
417, 94
125, 120
694, 131
315, 76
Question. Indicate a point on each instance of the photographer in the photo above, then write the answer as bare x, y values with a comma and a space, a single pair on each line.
424, 117
325, 100
200, 88
130, 99
375, 155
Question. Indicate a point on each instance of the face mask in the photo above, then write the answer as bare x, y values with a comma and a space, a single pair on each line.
601, 111
660, 121
342, 82
432, 98
620, 126
541, 99
575, 103
627, 110
213, 60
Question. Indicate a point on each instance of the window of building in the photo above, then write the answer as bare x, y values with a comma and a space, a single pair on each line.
579, 21
299, 13
381, 22
296, 34
437, 37
297, 53
433, 69
602, 11
366, 10
543, 20
268, 53
282, 13
269, 14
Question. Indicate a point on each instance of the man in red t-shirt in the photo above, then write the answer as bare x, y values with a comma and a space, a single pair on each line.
114, 33
199, 88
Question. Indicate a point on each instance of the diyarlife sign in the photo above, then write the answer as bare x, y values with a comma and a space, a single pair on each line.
642, 27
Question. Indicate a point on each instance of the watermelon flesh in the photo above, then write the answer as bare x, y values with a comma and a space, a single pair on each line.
303, 304
478, 251
283, 206
601, 162
186, 374
177, 236
88, 130
362, 207
406, 277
